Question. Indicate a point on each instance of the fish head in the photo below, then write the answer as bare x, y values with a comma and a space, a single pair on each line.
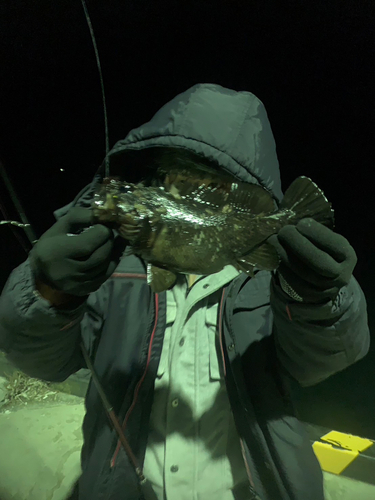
112, 198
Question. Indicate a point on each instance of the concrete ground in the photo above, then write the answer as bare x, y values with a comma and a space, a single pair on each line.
40, 453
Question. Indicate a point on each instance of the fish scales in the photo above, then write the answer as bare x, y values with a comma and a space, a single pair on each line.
197, 222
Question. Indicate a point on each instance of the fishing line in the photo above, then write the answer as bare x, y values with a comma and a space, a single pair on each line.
25, 223
102, 86
13, 223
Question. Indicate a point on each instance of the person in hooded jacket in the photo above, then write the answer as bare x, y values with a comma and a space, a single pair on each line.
199, 376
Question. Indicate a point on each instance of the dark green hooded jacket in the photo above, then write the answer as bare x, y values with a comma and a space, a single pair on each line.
268, 339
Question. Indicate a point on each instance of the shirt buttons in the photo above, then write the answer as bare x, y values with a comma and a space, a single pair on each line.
175, 403
182, 341
174, 468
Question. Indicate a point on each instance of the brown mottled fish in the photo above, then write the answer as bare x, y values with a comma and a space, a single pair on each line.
198, 220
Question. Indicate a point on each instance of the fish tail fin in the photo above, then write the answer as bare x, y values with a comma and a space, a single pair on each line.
306, 199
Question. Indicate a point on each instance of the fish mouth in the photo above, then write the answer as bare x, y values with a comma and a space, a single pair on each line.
105, 206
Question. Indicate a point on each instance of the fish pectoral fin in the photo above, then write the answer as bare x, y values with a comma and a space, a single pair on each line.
160, 279
244, 267
128, 231
264, 258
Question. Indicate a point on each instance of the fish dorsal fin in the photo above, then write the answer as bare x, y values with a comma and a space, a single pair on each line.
189, 183
218, 190
250, 198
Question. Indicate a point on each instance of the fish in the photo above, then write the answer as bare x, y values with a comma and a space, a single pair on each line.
198, 220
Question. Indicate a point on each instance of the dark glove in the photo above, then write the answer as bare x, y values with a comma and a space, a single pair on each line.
76, 264
315, 262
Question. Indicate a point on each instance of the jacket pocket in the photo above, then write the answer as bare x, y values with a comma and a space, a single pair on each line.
251, 300
254, 292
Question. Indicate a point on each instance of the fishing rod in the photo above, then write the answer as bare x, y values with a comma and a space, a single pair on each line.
25, 224
88, 20
145, 486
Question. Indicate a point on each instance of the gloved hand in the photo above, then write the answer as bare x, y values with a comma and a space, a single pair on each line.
77, 264
315, 261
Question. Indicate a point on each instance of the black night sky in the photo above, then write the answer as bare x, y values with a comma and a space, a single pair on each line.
311, 63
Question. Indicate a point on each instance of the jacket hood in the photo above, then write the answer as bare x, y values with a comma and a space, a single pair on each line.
224, 126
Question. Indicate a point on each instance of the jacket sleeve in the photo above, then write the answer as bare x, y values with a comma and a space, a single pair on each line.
315, 341
40, 340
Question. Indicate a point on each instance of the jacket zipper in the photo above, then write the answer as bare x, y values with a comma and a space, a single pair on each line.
136, 392
138, 386
225, 372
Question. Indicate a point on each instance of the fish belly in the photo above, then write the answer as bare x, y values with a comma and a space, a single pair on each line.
189, 250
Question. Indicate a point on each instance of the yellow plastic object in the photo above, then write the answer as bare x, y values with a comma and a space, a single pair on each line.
335, 460
347, 441
331, 459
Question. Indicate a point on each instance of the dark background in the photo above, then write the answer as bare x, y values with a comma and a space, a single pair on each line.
311, 63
